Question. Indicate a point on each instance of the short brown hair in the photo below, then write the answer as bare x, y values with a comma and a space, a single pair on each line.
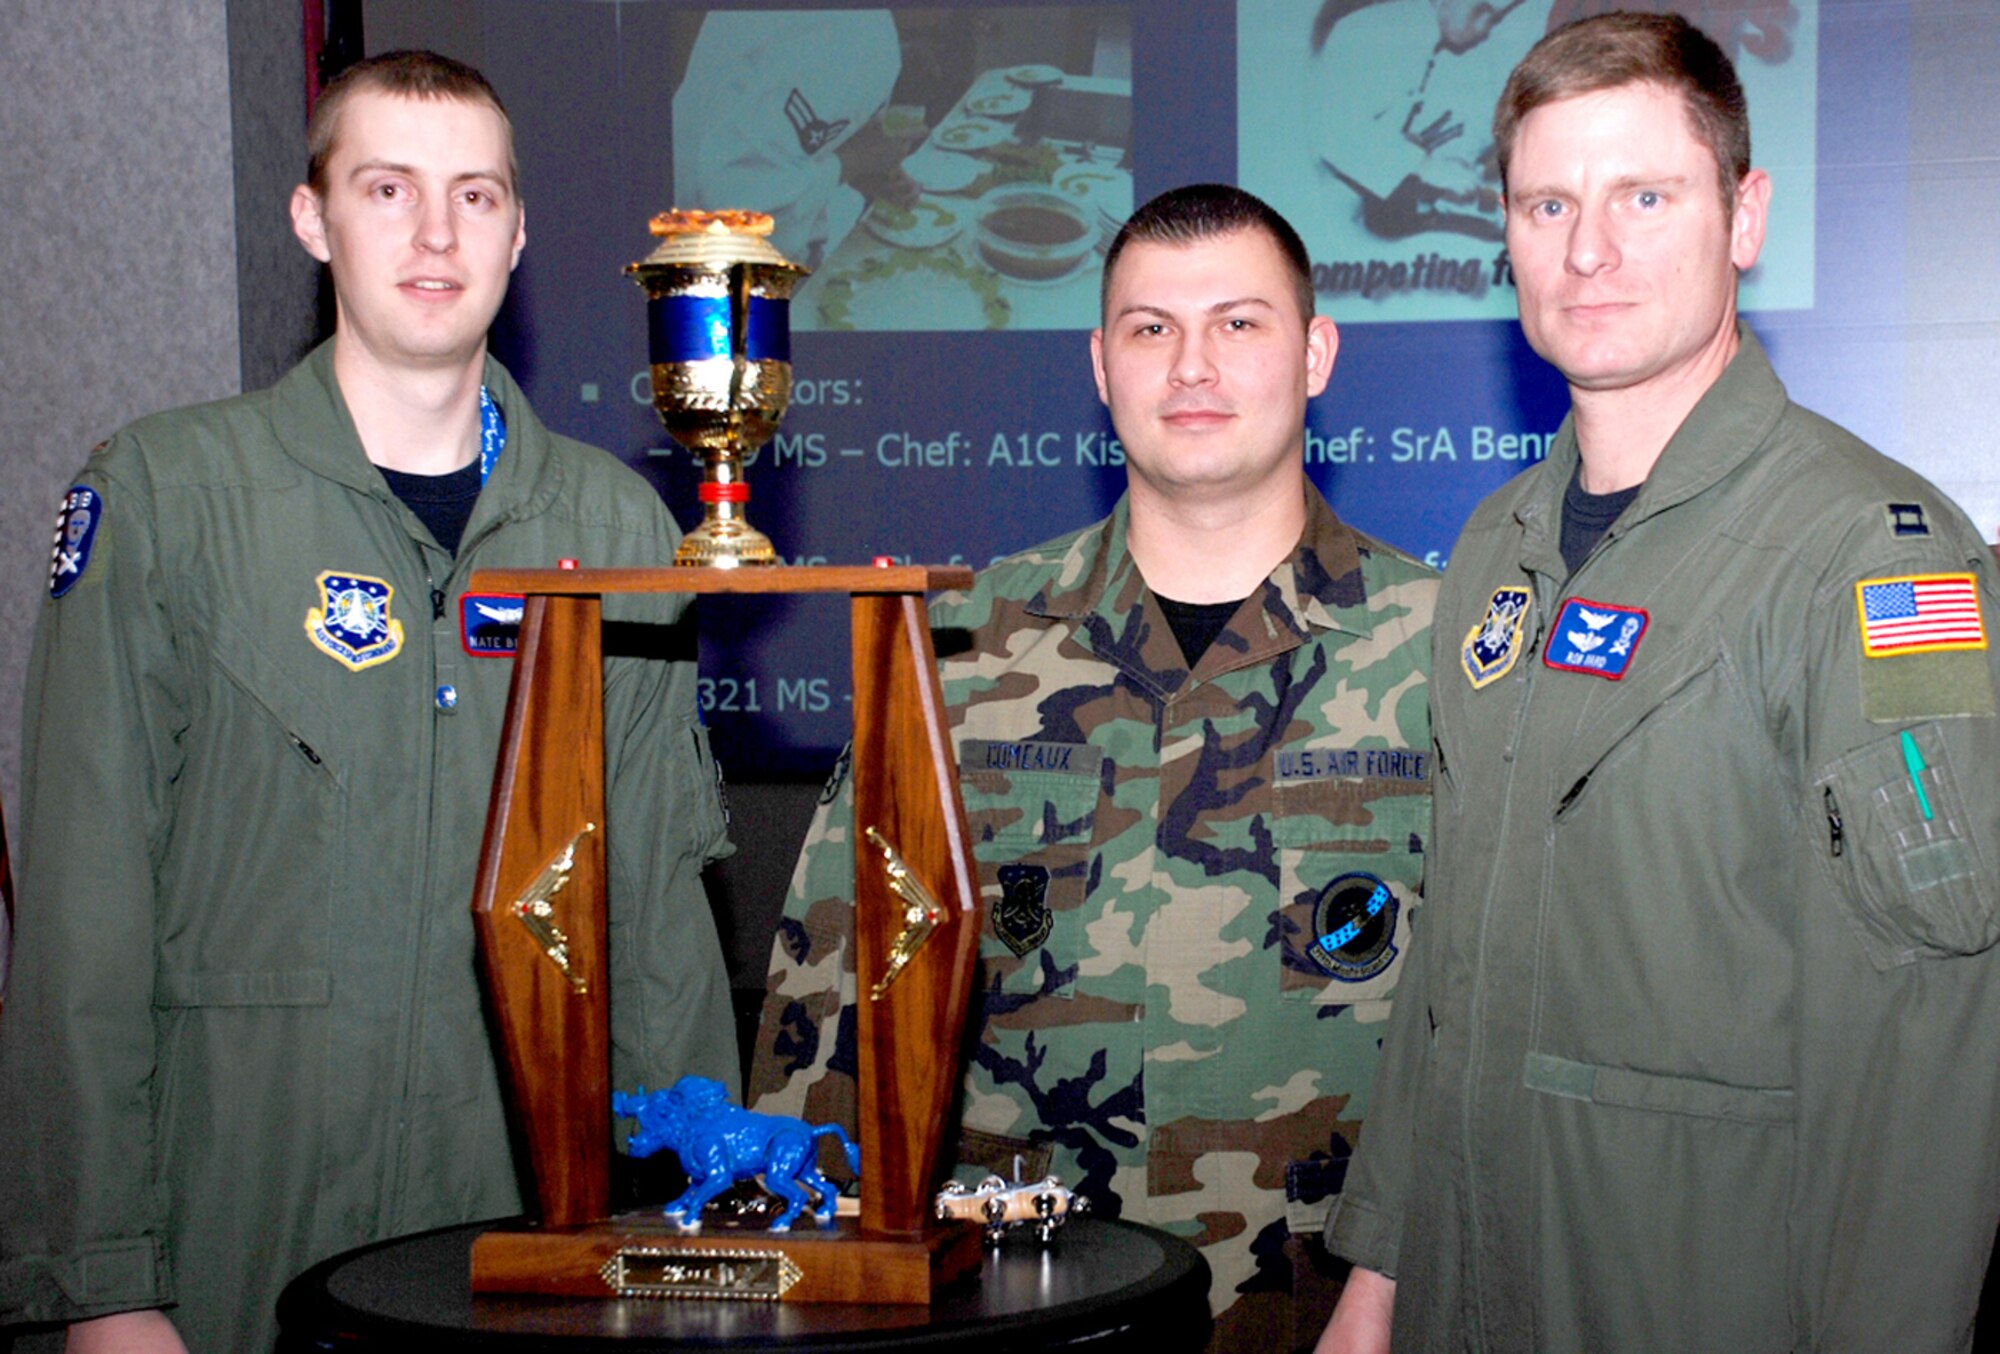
408, 75
1203, 211
1624, 48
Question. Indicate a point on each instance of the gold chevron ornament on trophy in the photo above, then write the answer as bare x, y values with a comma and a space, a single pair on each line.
719, 325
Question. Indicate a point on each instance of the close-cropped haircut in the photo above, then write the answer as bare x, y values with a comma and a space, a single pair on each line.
1203, 211
1623, 48
408, 75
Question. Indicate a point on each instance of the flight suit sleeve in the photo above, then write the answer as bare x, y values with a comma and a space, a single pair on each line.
1366, 1224
671, 1013
83, 1212
1898, 1187
805, 1061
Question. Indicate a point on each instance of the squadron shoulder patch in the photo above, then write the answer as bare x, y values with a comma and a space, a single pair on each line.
1595, 637
1492, 645
76, 531
489, 623
352, 624
1919, 613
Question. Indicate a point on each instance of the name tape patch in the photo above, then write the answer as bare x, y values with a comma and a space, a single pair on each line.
489, 623
1595, 637
1061, 759
1919, 613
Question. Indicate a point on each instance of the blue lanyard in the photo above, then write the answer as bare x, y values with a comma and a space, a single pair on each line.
492, 434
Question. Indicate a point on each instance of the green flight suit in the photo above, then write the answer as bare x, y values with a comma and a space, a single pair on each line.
245, 1028
1699, 1045
1197, 886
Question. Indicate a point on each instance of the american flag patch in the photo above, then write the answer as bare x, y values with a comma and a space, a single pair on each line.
1919, 613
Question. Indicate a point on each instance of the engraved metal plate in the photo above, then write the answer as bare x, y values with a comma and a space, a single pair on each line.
668, 1272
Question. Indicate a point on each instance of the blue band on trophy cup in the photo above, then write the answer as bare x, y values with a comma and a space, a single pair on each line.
695, 328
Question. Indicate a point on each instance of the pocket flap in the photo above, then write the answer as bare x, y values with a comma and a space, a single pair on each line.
1653, 1091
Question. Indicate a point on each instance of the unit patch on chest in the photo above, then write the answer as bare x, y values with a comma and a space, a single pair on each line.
1023, 919
1491, 646
1599, 638
489, 623
1354, 928
352, 624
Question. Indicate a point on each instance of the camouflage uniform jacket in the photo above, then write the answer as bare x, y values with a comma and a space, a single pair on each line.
1161, 853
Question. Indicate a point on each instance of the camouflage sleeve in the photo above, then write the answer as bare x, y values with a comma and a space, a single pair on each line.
804, 1063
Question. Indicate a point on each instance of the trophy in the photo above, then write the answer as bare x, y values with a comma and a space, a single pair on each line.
720, 380
718, 296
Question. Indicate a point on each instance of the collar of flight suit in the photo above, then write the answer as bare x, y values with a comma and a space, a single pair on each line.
310, 420
1733, 418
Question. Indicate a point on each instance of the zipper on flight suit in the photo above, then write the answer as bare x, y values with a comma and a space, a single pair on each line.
1836, 833
396, 1159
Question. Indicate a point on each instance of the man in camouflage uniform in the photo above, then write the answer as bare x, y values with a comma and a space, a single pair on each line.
1194, 750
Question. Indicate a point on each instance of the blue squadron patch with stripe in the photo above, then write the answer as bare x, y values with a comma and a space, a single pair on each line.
1354, 928
1595, 637
489, 623
76, 531
352, 623
1491, 646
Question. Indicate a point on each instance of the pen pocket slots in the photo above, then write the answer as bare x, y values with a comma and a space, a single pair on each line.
1912, 874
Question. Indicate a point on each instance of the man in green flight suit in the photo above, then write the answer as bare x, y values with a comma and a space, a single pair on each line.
1193, 745
1699, 1048
245, 1029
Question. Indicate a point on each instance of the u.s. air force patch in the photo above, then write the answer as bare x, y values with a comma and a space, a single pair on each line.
76, 531
1492, 645
1354, 928
352, 624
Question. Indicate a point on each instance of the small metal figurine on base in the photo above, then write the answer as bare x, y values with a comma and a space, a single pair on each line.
1041, 1205
719, 317
719, 1144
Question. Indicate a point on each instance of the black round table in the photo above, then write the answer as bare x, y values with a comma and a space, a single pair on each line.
1112, 1285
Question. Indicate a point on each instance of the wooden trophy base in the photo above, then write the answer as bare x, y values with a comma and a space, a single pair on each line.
643, 1255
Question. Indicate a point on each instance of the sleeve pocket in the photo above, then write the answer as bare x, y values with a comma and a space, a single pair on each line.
1914, 881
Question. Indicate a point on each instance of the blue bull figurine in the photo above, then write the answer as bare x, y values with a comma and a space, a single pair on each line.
719, 1144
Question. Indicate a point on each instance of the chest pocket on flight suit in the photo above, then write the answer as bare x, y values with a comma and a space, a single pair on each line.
1032, 808
1350, 867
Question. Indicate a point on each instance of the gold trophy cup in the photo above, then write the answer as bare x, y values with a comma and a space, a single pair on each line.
718, 316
